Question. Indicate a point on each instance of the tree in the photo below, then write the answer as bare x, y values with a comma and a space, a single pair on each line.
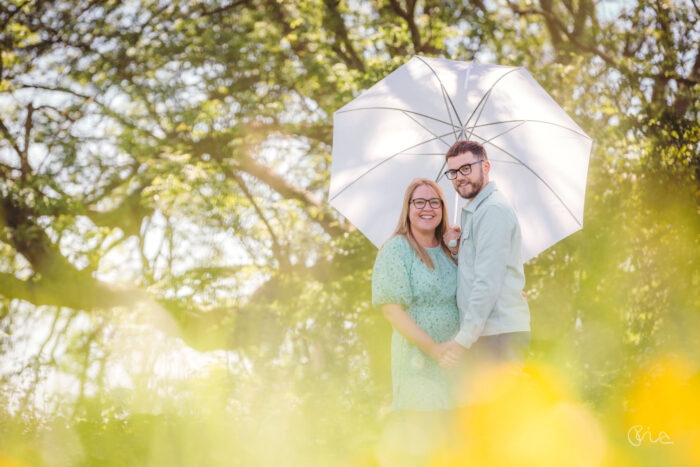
184, 149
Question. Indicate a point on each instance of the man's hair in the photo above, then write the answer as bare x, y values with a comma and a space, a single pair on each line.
467, 146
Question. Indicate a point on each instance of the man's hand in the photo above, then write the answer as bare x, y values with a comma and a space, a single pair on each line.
438, 351
451, 238
452, 354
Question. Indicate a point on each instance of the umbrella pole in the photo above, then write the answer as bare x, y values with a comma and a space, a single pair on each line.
454, 217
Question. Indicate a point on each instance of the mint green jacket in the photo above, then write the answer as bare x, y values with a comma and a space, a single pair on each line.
490, 269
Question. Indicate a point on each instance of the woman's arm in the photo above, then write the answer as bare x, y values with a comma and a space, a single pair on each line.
411, 331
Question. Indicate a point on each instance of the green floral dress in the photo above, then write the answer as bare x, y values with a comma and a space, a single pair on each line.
429, 298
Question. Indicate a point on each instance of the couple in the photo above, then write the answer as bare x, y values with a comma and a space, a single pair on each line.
453, 295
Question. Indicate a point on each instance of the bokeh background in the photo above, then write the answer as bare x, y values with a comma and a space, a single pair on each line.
176, 290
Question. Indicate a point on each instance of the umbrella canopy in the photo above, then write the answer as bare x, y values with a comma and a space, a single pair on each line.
401, 128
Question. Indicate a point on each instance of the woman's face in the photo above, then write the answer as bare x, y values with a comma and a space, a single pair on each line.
428, 218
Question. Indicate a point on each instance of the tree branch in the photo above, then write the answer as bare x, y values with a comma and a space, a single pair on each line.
6, 170
407, 15
222, 9
609, 59
76, 291
10, 138
56, 89
57, 281
127, 216
265, 174
37, 360
277, 248
337, 25
24, 155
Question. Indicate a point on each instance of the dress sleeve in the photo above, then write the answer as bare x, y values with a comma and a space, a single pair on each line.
391, 276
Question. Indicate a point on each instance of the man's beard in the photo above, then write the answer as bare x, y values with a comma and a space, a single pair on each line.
470, 189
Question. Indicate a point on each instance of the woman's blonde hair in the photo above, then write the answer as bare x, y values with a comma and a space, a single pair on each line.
404, 226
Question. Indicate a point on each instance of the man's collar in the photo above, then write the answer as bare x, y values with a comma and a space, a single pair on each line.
480, 197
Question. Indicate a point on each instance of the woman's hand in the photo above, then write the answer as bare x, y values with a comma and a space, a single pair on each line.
452, 355
447, 354
451, 238
438, 352
411, 331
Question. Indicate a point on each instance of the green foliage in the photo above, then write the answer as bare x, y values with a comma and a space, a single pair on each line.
163, 175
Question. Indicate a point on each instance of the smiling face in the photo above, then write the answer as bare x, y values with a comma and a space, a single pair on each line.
468, 186
427, 219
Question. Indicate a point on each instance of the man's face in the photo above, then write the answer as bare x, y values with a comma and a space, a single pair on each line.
468, 186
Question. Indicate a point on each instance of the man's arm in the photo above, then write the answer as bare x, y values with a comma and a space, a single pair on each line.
493, 233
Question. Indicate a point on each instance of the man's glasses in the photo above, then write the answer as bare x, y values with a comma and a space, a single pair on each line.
466, 169
420, 203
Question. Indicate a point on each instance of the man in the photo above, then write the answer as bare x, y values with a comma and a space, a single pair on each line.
494, 316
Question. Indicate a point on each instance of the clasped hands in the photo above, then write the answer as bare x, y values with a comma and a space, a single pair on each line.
448, 354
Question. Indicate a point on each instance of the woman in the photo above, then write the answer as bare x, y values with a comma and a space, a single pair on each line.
414, 282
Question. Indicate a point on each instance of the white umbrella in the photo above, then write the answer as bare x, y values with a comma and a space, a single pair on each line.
401, 128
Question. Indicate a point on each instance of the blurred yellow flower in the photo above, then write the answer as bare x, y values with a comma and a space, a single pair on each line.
663, 407
524, 418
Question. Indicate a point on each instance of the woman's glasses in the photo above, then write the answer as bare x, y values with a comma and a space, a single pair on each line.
420, 203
